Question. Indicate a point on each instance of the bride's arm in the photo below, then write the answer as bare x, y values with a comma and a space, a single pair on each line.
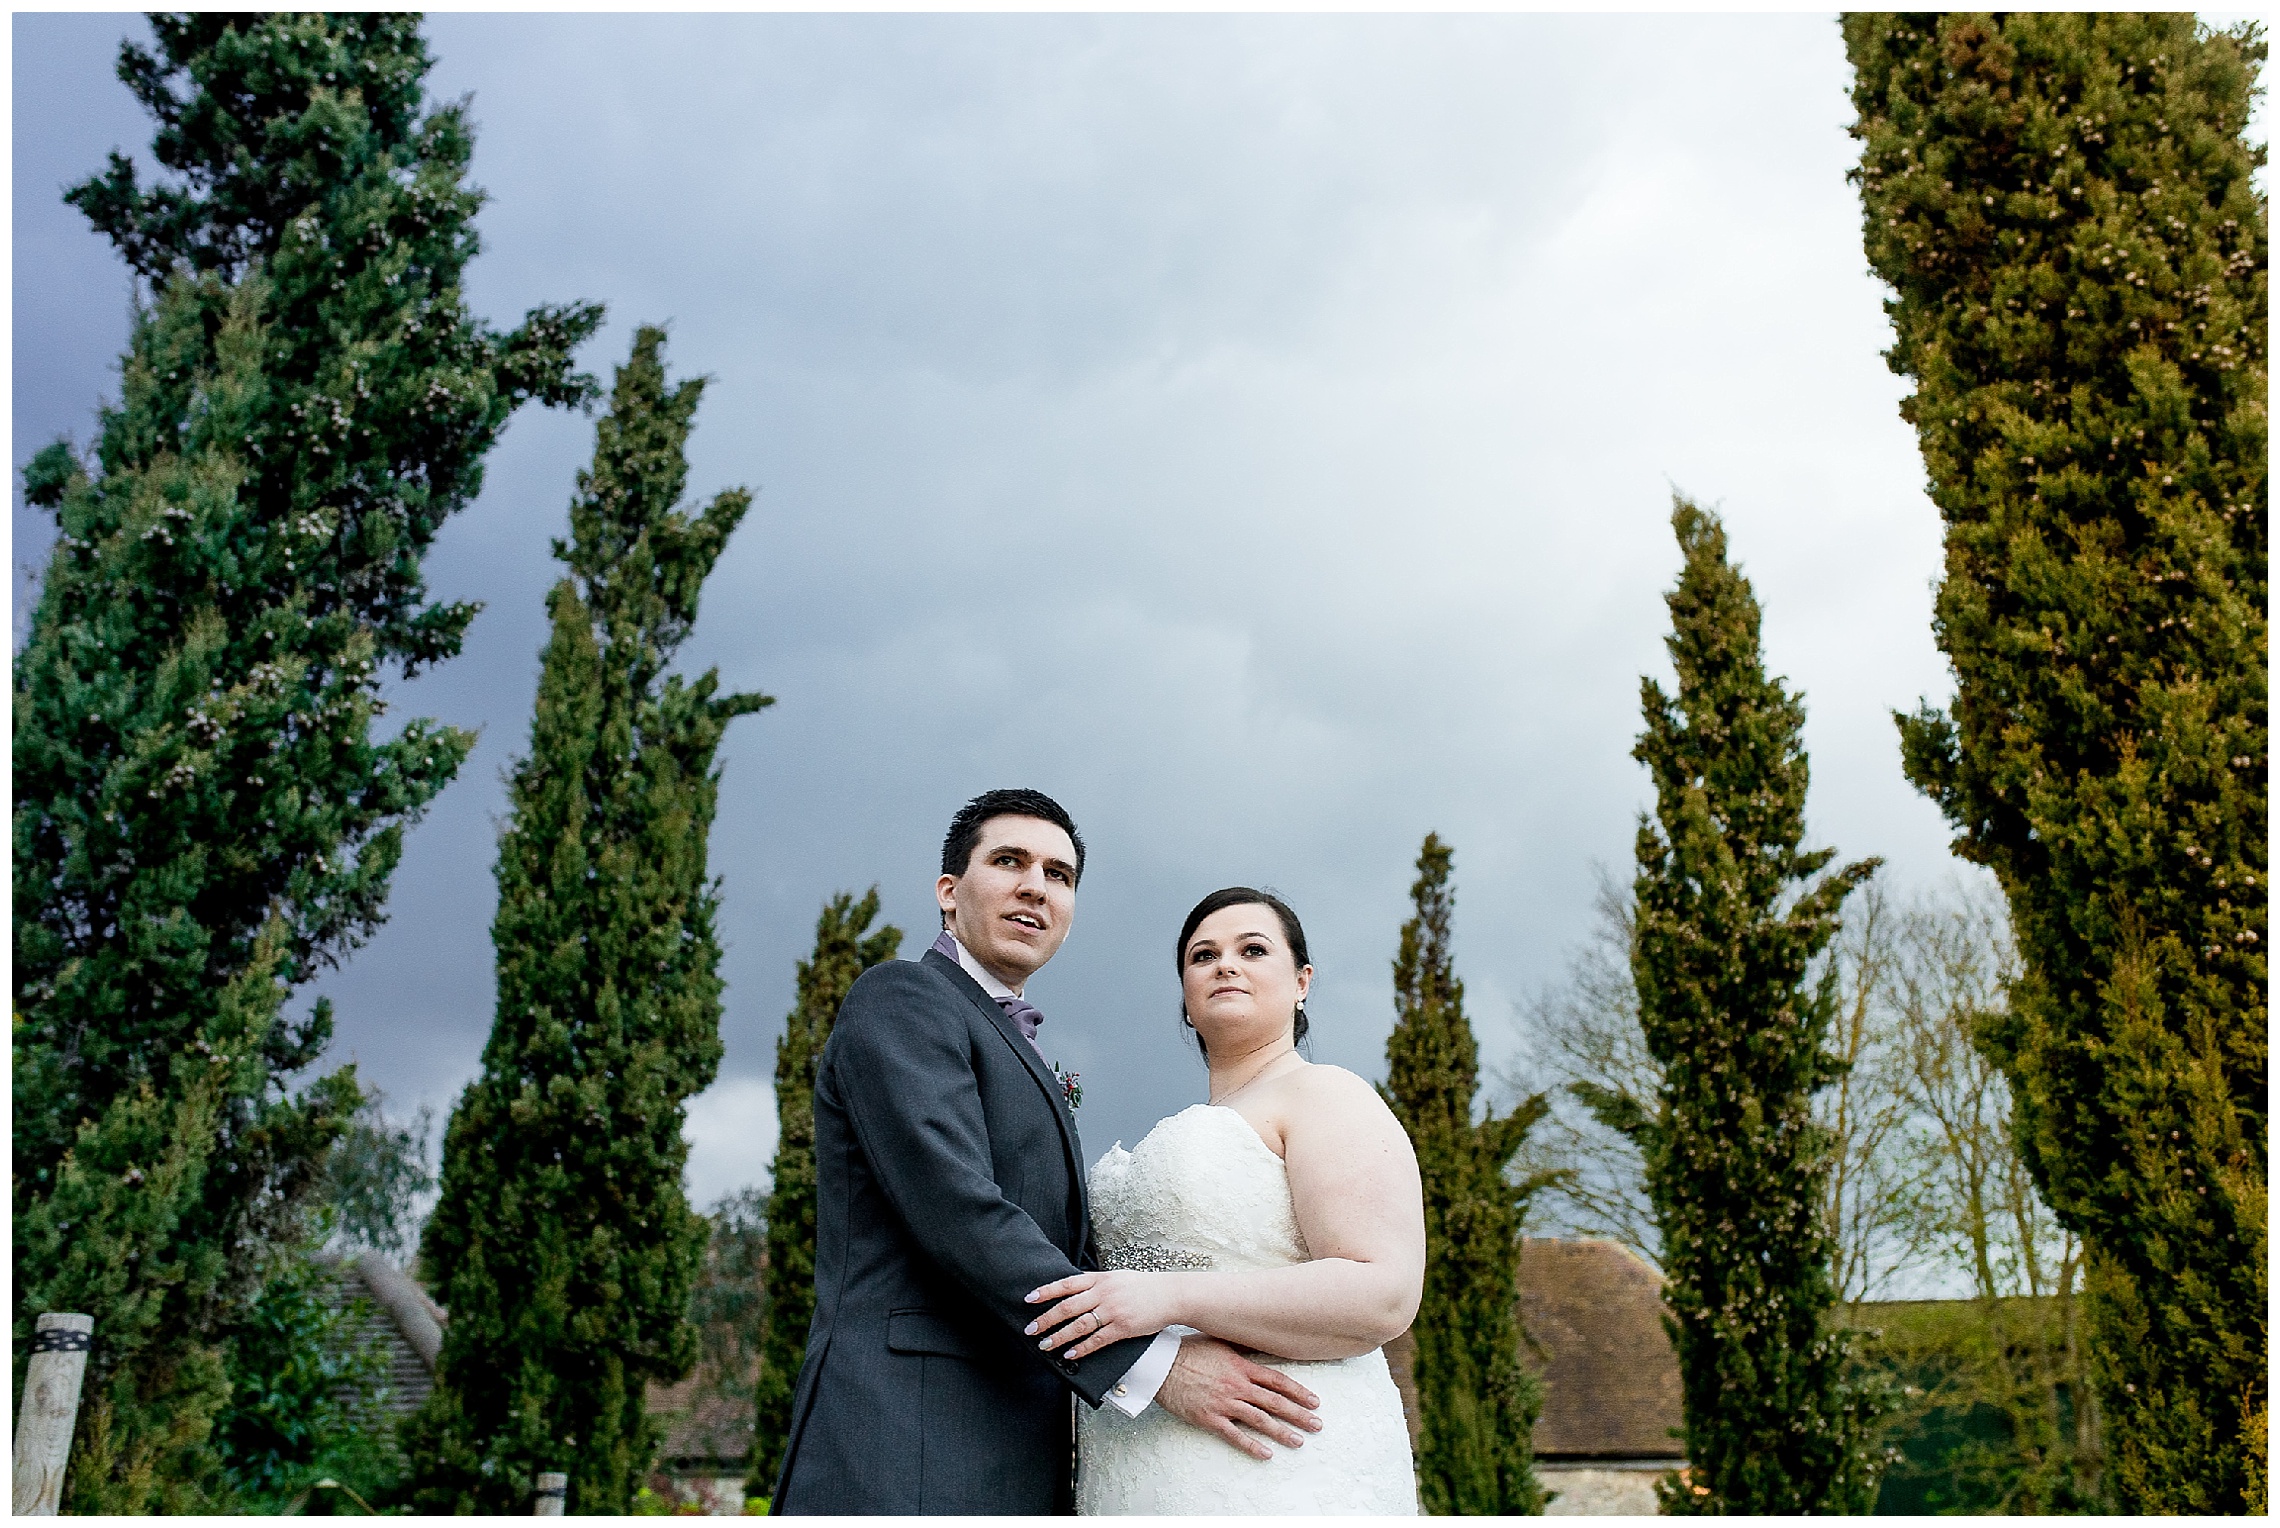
1354, 1186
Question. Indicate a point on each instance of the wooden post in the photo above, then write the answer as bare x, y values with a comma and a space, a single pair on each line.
553, 1485
50, 1411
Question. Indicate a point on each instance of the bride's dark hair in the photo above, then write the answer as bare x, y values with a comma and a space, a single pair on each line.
1245, 896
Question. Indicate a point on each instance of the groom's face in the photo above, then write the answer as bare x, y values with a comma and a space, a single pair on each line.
1013, 906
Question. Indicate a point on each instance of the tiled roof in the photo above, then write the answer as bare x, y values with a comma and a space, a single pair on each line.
703, 1426
1593, 1314
1593, 1311
407, 1371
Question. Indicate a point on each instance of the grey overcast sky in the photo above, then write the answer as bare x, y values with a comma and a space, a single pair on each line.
1258, 432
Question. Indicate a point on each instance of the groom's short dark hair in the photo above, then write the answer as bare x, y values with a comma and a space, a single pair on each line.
966, 828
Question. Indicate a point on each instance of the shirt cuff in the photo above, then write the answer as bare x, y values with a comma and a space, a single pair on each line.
1132, 1393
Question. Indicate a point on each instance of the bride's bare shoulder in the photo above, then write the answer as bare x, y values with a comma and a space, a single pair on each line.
1329, 1079
1333, 1089
1338, 1123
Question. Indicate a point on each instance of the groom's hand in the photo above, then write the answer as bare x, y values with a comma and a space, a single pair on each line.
1213, 1387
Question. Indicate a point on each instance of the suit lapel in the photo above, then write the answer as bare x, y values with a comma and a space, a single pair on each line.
1027, 1053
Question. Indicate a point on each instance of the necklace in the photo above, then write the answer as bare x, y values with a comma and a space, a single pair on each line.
1256, 1076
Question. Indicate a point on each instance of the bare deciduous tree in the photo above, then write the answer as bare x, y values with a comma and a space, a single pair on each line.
1926, 1190
1870, 1200
1975, 1208
1586, 1029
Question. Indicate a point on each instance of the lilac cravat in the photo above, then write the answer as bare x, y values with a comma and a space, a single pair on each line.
1024, 1014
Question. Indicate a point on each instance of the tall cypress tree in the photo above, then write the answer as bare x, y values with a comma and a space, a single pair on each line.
562, 1242
2064, 206
203, 817
845, 947
1476, 1404
1726, 929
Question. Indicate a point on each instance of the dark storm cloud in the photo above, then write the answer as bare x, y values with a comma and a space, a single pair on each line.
1257, 432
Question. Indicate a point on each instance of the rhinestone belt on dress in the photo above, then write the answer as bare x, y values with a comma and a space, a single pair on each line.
1149, 1257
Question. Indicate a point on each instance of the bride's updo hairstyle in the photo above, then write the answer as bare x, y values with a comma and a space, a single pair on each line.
1245, 896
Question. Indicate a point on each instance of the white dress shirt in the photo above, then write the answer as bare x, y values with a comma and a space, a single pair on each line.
1132, 1393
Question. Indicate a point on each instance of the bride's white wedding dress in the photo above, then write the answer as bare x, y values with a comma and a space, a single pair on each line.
1203, 1191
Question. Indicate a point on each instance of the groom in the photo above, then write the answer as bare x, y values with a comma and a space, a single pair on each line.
949, 1184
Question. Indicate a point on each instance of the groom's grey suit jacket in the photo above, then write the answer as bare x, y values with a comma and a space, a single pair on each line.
949, 1184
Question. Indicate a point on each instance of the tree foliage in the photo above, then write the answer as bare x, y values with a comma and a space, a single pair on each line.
1737, 1168
203, 816
1583, 1032
2064, 207
1993, 1411
376, 1176
562, 1243
302, 1390
725, 1305
2010, 1377
1477, 1404
730, 1291
845, 947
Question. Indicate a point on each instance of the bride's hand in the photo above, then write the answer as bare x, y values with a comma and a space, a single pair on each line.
1101, 1308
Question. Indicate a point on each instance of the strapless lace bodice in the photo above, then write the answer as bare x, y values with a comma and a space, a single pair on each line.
1204, 1192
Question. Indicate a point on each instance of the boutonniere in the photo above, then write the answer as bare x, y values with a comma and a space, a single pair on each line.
1071, 1089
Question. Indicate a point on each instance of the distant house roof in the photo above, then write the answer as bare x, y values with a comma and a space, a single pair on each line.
1593, 1314
1593, 1311
397, 1318
704, 1428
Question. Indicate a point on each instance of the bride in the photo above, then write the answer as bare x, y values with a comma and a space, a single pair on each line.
1283, 1216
